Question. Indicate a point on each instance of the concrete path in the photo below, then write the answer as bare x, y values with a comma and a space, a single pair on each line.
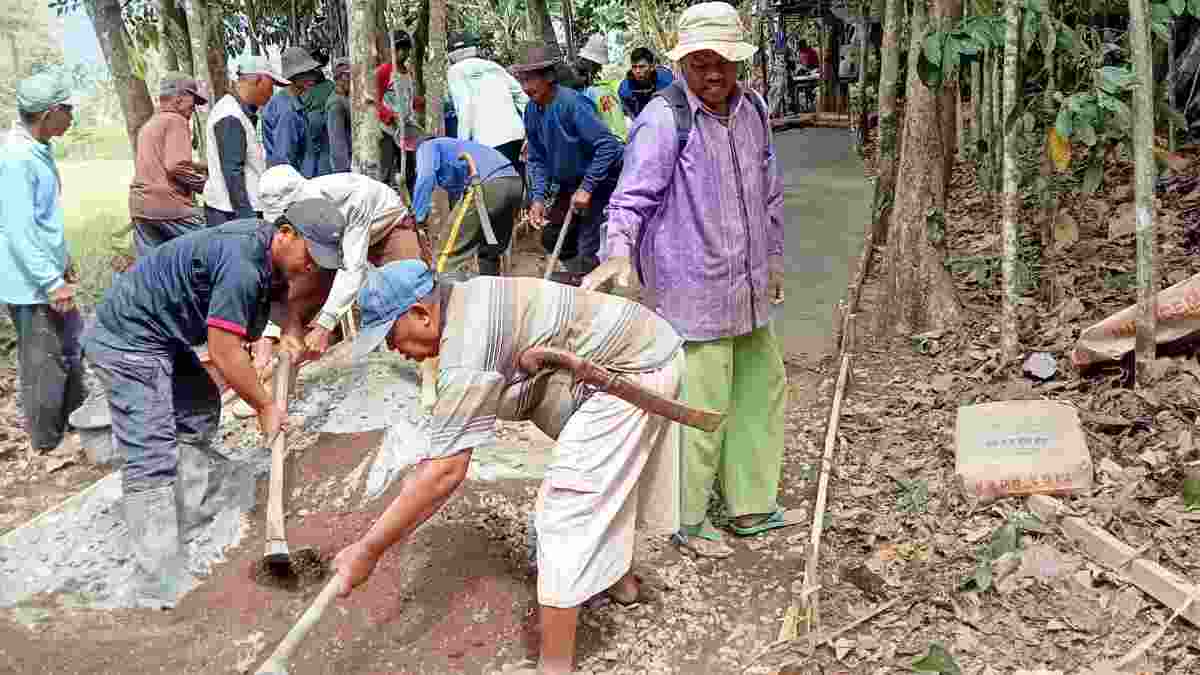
827, 202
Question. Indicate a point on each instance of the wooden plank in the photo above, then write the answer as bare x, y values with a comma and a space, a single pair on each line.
1157, 581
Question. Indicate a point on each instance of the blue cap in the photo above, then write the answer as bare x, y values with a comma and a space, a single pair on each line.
387, 294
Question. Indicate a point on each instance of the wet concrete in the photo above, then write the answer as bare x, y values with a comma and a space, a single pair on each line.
827, 203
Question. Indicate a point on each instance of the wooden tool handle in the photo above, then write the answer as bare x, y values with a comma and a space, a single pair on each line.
275, 528
278, 661
540, 358
558, 244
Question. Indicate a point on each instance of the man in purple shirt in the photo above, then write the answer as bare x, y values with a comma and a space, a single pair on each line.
701, 218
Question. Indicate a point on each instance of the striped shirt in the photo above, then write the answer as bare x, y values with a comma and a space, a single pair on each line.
490, 321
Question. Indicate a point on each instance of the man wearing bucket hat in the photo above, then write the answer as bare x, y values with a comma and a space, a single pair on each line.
162, 200
603, 93
569, 145
338, 118
236, 158
285, 130
39, 283
614, 465
215, 285
700, 211
488, 100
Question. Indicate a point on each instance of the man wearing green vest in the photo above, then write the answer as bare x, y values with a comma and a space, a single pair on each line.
592, 58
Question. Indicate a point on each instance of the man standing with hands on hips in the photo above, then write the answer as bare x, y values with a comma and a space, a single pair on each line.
699, 209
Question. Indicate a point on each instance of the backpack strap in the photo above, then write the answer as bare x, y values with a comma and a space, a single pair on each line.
676, 97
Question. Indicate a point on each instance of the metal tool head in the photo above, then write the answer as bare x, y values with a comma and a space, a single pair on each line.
278, 558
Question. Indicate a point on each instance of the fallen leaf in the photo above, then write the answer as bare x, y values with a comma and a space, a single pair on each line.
938, 660
1123, 221
1059, 149
1066, 231
842, 647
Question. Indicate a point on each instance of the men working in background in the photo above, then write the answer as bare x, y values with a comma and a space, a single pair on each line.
394, 105
38, 283
338, 118
162, 201
376, 233
214, 285
568, 145
438, 164
604, 93
645, 78
703, 218
615, 466
317, 158
284, 125
236, 159
488, 101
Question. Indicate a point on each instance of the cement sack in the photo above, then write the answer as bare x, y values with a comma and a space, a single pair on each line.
1015, 448
1178, 316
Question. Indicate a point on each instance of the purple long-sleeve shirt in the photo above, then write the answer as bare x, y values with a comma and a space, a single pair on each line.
701, 228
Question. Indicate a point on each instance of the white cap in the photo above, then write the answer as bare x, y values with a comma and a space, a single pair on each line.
596, 50
260, 65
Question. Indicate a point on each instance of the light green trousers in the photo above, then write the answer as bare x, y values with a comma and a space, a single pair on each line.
743, 377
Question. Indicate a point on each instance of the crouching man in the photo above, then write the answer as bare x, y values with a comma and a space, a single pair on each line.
215, 285
614, 464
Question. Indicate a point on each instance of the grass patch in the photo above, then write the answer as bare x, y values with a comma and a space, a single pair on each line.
81, 144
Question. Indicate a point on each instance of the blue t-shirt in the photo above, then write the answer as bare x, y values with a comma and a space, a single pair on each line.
438, 163
220, 277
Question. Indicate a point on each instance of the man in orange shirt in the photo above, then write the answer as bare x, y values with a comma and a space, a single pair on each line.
162, 201
395, 103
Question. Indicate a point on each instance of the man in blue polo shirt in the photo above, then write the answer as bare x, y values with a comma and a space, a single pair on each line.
215, 285
438, 164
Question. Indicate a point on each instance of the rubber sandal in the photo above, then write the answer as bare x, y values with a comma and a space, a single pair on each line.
780, 518
702, 543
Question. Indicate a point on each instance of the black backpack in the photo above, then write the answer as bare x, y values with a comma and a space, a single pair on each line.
676, 97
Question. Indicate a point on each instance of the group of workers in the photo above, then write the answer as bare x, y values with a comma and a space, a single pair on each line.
692, 200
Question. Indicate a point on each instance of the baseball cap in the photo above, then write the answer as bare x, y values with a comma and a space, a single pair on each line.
341, 67
385, 296
178, 84
41, 92
321, 225
260, 65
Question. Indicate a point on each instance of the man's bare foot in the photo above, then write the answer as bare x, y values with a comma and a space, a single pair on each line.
627, 590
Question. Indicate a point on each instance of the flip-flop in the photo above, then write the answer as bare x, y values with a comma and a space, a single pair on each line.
780, 518
701, 542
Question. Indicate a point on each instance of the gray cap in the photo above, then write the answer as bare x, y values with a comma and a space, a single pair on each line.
43, 91
178, 84
297, 60
321, 225
260, 65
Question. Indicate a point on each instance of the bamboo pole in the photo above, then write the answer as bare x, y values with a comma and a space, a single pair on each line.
1143, 152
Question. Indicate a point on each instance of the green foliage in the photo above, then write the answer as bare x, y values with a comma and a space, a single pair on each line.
1005, 540
937, 660
914, 496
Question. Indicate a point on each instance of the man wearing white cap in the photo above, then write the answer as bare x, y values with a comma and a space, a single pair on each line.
236, 158
39, 283
699, 210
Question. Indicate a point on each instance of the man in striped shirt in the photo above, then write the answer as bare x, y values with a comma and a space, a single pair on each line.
614, 464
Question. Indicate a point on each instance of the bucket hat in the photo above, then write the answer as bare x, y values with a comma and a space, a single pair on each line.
712, 26
297, 60
596, 50
536, 56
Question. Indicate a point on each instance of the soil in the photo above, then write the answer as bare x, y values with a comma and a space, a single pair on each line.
459, 596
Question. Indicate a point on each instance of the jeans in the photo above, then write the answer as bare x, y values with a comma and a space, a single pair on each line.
216, 217
50, 364
389, 163
148, 234
157, 399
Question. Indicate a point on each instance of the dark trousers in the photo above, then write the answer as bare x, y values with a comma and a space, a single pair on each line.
215, 217
389, 163
50, 365
503, 198
157, 399
587, 228
512, 152
148, 234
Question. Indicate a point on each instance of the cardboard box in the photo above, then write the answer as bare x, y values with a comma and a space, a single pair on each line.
1012, 448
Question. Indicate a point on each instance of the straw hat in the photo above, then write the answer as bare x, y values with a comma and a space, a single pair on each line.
712, 26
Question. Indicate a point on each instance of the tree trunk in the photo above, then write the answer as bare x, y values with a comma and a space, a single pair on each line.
919, 292
197, 25
569, 29
1010, 342
420, 48
435, 77
363, 57
174, 38
830, 91
997, 144
136, 105
218, 69
1143, 153
949, 13
885, 185
383, 42
984, 122
864, 29
976, 104
1170, 91
539, 22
